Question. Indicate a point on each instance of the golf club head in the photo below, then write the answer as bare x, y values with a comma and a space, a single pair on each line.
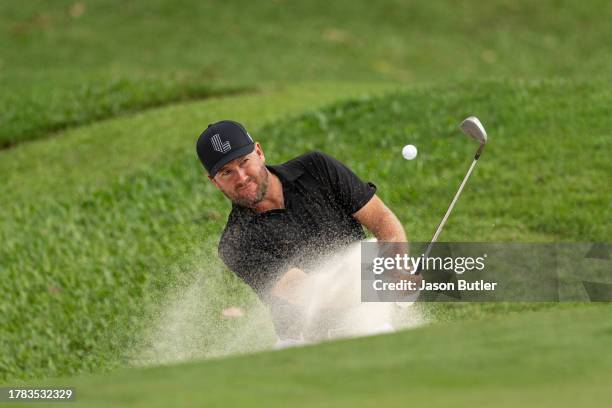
473, 128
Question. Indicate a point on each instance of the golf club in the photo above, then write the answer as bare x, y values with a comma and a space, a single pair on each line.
473, 128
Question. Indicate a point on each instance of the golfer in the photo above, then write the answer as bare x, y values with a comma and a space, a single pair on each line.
286, 217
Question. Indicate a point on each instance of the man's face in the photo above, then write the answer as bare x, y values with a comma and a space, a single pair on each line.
244, 180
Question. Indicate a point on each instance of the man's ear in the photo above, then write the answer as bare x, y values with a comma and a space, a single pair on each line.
260, 152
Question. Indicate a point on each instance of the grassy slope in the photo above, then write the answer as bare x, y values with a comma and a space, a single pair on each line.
544, 359
92, 224
98, 229
60, 68
98, 155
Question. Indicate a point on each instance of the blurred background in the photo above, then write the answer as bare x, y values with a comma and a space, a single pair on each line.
65, 63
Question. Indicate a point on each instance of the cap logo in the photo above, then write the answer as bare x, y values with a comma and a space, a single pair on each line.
218, 146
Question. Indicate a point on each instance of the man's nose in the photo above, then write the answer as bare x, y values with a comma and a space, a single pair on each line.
241, 175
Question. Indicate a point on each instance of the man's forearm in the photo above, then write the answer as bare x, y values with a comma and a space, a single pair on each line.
381, 221
389, 228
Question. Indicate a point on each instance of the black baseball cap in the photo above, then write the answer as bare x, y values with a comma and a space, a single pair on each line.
221, 143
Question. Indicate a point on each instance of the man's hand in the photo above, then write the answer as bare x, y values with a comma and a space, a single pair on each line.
317, 291
402, 275
290, 287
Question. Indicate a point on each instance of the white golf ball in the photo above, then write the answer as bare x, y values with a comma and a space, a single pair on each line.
409, 152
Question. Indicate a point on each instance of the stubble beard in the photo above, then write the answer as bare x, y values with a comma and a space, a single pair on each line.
262, 189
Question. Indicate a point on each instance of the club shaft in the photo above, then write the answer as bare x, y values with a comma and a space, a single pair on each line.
450, 208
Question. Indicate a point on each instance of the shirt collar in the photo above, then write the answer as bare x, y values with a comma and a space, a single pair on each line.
286, 173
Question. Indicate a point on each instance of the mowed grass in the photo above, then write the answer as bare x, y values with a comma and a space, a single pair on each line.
79, 291
97, 232
545, 359
66, 63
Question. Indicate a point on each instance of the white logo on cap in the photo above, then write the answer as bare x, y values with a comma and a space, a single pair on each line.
218, 146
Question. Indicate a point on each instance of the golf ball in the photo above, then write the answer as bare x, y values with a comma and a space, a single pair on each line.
409, 152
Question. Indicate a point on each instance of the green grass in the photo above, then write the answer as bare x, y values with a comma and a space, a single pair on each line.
90, 227
106, 218
61, 67
546, 359
97, 235
50, 108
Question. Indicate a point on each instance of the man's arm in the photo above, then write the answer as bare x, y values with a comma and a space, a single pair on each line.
290, 286
381, 221
377, 218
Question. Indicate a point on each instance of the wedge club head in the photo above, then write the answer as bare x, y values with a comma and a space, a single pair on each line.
472, 127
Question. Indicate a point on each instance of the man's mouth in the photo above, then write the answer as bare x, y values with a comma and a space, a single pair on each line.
245, 186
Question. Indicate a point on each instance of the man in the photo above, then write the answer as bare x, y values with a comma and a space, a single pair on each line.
286, 217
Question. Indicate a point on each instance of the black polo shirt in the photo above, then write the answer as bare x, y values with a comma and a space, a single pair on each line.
320, 196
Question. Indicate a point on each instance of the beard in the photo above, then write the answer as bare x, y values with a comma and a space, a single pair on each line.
260, 180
